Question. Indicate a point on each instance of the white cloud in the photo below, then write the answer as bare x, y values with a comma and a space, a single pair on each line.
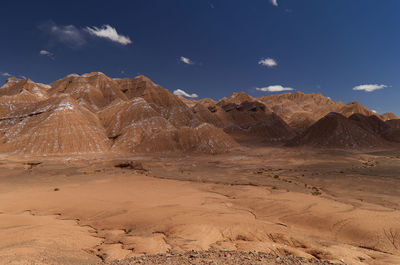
269, 62
76, 37
186, 60
6, 74
277, 88
274, 2
110, 33
374, 111
46, 53
369, 88
180, 92
68, 35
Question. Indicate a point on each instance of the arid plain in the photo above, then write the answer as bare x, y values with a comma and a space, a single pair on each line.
95, 169
338, 206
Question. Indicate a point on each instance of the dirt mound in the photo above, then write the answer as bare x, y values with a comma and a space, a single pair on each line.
55, 126
300, 110
336, 131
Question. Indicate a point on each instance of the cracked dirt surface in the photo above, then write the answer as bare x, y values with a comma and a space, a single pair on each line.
87, 211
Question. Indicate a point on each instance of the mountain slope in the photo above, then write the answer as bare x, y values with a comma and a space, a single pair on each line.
94, 90
160, 99
93, 113
20, 92
336, 131
300, 110
55, 126
249, 120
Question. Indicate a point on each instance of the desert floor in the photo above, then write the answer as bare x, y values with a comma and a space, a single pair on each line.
334, 205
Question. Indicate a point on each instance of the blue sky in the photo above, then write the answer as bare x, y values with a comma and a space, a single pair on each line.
327, 46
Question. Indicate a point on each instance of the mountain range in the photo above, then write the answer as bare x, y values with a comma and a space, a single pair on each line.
93, 113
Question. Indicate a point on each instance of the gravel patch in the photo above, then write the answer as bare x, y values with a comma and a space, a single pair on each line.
220, 257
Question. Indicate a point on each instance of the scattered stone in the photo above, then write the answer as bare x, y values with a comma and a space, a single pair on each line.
135, 165
220, 257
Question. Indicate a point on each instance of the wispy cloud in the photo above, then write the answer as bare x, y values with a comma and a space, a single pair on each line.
75, 37
186, 60
110, 33
180, 92
5, 74
68, 35
369, 88
277, 88
274, 2
47, 53
269, 62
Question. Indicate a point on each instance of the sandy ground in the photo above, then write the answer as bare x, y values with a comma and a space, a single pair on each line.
332, 205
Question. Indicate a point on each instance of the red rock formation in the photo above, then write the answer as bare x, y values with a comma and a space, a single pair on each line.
300, 110
94, 90
355, 107
94, 113
20, 92
248, 120
392, 132
160, 99
388, 116
336, 131
55, 126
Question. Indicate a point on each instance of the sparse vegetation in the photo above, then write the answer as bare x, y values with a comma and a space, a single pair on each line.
315, 191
